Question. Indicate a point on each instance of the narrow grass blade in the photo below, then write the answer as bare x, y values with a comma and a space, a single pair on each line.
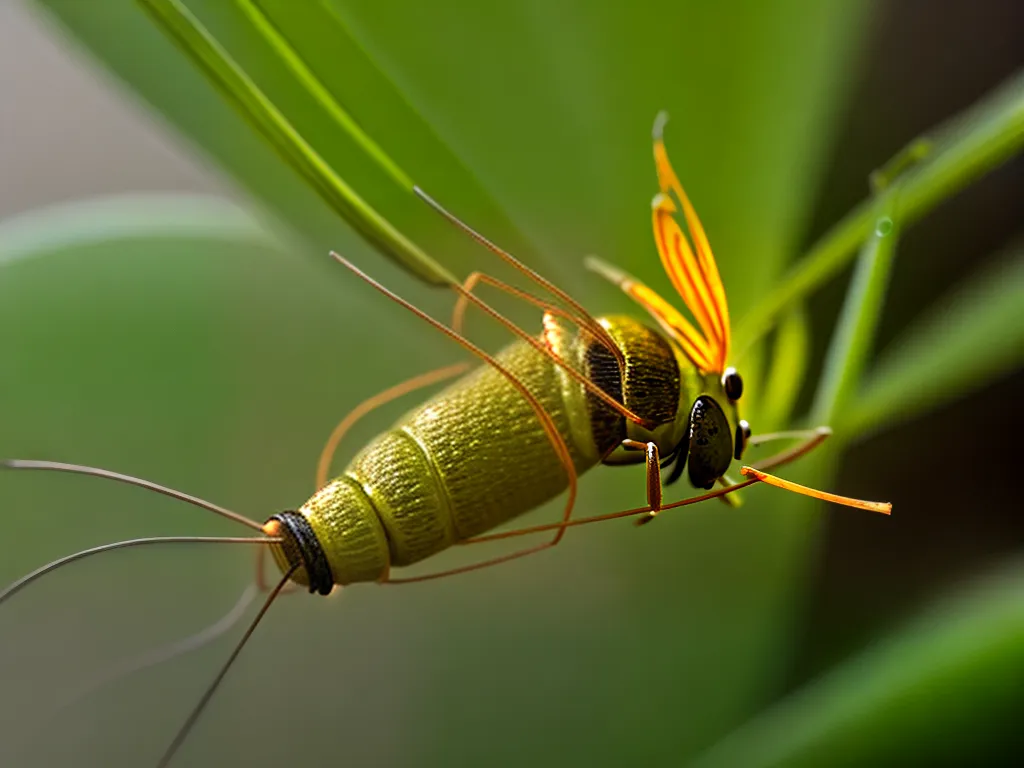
858, 321
319, 91
965, 341
261, 112
970, 145
946, 691
788, 367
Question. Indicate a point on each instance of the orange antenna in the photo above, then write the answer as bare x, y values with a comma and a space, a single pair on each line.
536, 277
883, 507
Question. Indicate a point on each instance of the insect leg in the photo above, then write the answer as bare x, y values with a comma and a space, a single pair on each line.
653, 476
610, 515
541, 347
323, 466
509, 258
547, 285
753, 474
547, 424
815, 437
648, 512
586, 324
478, 566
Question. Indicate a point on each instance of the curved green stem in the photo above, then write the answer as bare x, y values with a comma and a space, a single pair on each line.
970, 145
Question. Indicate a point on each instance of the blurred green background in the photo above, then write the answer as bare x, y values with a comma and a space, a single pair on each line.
167, 310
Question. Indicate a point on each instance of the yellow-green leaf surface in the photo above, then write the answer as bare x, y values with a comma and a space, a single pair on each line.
222, 372
940, 692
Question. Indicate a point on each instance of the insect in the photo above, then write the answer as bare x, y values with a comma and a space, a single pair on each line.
584, 391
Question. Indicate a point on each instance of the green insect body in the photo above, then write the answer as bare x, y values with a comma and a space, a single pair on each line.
476, 455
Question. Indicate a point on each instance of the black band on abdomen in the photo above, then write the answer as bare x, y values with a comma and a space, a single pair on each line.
300, 545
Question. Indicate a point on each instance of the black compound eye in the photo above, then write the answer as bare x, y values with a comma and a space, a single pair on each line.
742, 436
733, 384
710, 452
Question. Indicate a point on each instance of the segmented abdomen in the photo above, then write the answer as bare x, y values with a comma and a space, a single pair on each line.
470, 458
476, 455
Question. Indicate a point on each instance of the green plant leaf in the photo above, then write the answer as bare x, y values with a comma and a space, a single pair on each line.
944, 691
85, 223
257, 108
788, 369
854, 335
965, 148
964, 342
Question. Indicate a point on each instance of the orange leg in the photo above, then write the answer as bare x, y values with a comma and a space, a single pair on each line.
477, 566
547, 424
323, 466
653, 477
559, 532
558, 528
511, 260
458, 317
543, 348
529, 339
586, 324
817, 437
655, 505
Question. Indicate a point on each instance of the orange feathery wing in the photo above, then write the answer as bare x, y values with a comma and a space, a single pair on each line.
691, 268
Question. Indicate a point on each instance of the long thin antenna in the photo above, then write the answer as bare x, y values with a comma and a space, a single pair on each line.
57, 466
24, 581
883, 507
513, 261
791, 434
183, 732
537, 344
546, 422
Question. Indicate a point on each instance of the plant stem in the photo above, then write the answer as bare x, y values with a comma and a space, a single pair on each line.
969, 145
855, 331
196, 41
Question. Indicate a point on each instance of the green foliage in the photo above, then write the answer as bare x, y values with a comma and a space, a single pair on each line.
942, 691
962, 150
850, 347
146, 216
254, 105
969, 338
